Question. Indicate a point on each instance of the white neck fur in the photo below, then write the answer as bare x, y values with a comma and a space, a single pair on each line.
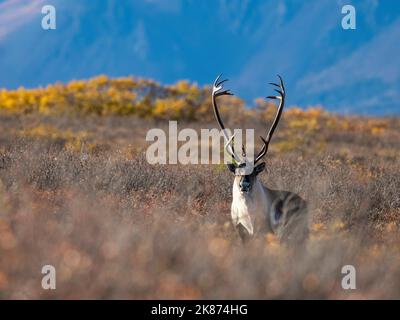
247, 208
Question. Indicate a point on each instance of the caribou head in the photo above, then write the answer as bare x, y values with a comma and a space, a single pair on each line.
246, 170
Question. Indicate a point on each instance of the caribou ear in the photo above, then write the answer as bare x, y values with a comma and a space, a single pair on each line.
259, 168
231, 167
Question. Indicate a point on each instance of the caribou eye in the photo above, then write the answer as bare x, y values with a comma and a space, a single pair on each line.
259, 168
231, 167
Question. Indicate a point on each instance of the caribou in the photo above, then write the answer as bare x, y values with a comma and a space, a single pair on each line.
257, 209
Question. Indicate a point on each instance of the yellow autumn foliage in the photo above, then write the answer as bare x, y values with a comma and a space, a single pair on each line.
104, 96
145, 98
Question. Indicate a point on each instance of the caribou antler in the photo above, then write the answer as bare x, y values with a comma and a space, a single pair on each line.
267, 139
216, 92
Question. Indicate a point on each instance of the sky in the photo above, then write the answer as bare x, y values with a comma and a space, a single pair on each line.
346, 71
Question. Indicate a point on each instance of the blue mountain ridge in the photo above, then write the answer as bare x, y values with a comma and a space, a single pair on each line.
346, 71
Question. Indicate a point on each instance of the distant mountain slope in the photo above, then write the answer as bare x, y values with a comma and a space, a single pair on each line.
353, 71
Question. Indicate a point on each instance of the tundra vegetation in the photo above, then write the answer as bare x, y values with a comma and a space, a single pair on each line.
76, 192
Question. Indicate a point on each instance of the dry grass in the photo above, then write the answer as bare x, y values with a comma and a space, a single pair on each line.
79, 195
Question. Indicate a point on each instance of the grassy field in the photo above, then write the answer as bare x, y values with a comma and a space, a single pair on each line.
76, 192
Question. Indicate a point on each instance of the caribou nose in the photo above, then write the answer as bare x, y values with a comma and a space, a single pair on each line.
244, 186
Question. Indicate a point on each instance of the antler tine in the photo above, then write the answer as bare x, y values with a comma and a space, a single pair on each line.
243, 151
217, 83
229, 147
218, 86
274, 84
217, 79
281, 97
216, 92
